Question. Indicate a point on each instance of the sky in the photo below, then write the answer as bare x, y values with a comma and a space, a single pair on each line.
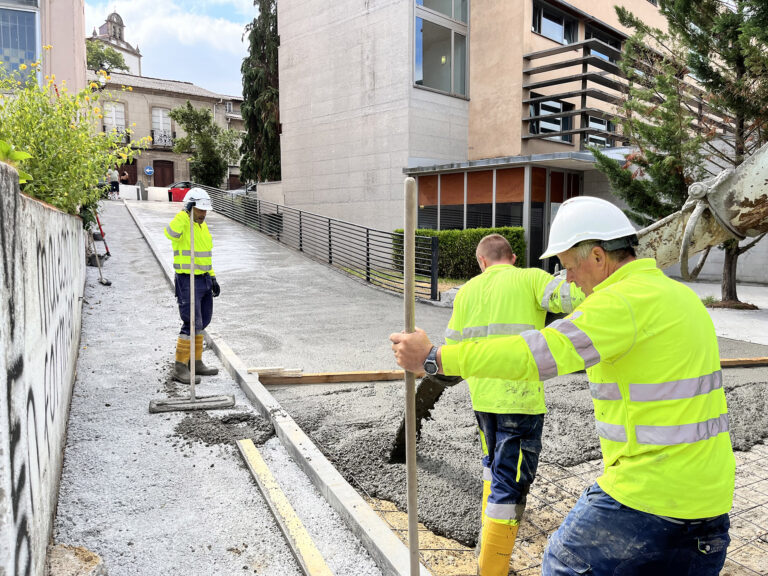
198, 41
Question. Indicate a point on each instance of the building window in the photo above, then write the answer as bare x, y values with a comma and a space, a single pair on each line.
229, 107
554, 25
454, 9
161, 127
114, 116
18, 36
441, 46
602, 125
612, 41
557, 123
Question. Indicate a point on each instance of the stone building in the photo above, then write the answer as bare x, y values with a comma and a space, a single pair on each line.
143, 104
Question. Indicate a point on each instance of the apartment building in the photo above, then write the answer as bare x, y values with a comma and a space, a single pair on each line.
489, 104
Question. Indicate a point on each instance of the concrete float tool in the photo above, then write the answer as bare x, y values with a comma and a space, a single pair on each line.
193, 402
732, 204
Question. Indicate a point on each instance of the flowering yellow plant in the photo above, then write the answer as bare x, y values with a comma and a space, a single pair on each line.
57, 128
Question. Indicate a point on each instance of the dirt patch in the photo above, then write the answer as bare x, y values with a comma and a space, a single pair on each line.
732, 304
226, 429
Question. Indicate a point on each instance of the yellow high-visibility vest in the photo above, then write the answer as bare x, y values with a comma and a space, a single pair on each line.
501, 301
178, 233
651, 353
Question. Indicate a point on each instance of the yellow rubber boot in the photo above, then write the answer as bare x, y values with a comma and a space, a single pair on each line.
182, 350
496, 549
181, 366
201, 368
486, 493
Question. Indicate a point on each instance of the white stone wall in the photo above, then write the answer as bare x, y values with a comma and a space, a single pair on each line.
41, 285
351, 119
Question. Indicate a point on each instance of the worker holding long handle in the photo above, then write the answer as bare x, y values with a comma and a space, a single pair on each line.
192, 218
650, 350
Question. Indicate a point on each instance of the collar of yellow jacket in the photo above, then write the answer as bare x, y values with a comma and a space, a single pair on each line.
639, 265
498, 267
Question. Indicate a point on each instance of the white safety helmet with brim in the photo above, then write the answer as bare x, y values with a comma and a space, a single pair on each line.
588, 218
198, 198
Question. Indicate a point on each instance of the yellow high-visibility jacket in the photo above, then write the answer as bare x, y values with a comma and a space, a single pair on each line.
178, 233
651, 354
502, 301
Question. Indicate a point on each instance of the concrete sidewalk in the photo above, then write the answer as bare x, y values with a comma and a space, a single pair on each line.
169, 493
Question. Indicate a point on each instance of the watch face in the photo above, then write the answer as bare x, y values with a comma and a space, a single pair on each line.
430, 367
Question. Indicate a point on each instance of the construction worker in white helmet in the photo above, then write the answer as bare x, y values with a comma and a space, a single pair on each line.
506, 300
649, 347
206, 286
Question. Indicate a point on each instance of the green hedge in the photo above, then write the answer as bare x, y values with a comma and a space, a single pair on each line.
457, 249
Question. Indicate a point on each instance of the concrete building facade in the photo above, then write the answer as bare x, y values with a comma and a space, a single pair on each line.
28, 25
352, 116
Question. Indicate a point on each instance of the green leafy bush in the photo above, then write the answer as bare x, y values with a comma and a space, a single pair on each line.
60, 132
457, 249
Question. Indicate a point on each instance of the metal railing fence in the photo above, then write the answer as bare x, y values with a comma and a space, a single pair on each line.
372, 256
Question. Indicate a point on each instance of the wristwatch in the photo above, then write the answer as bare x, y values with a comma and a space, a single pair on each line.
430, 364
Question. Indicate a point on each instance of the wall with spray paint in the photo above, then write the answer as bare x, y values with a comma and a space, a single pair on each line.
42, 276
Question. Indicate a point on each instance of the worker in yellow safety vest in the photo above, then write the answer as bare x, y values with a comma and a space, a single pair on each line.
206, 286
649, 347
501, 301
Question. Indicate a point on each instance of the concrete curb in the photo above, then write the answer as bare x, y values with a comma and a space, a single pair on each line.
389, 553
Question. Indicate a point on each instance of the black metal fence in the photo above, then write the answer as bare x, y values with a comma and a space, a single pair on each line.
372, 256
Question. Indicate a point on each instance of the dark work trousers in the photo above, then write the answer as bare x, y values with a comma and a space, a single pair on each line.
601, 537
203, 301
511, 457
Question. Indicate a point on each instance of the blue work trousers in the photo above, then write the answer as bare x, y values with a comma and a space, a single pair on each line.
511, 454
601, 537
203, 301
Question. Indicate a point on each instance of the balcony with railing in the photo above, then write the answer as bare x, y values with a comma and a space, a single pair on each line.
162, 138
125, 135
573, 91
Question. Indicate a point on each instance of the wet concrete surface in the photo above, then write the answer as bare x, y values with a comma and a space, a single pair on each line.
280, 309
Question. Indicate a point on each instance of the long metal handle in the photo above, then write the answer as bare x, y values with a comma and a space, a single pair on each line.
192, 331
409, 287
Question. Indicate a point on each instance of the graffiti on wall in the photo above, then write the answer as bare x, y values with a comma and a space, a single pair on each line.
43, 282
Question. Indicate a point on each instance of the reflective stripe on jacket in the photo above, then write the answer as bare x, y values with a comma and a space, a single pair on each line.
502, 301
651, 353
178, 233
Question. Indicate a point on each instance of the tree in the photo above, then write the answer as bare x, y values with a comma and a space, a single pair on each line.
658, 121
728, 54
208, 164
101, 57
261, 98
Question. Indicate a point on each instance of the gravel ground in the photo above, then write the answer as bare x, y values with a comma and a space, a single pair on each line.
169, 493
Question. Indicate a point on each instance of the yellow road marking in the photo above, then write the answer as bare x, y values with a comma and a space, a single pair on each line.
307, 554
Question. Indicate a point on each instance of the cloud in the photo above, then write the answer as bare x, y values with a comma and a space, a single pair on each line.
200, 41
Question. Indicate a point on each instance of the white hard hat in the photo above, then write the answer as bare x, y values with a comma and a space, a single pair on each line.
200, 198
588, 218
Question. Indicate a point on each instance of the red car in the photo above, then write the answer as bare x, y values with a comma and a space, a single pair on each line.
178, 190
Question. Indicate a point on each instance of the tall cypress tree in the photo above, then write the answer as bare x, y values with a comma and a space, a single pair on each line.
728, 55
261, 98
658, 122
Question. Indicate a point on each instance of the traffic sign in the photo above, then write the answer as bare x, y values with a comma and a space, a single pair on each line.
149, 170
